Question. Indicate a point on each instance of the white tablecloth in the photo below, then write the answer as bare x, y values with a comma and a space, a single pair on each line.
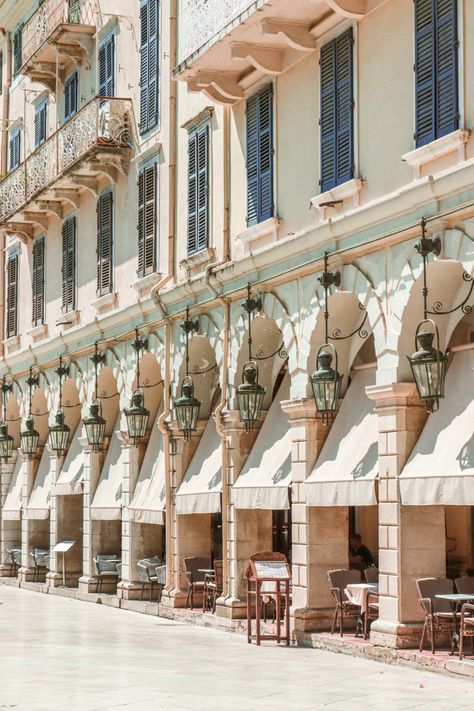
357, 593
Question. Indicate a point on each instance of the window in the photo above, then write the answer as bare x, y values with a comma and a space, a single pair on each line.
198, 189
70, 96
147, 219
105, 228
337, 112
17, 50
149, 64
436, 69
69, 265
260, 156
14, 149
41, 117
106, 67
38, 282
12, 296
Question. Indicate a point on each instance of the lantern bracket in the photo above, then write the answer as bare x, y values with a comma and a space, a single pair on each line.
327, 280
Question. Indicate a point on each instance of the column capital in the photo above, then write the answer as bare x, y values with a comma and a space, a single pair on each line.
300, 409
394, 395
231, 421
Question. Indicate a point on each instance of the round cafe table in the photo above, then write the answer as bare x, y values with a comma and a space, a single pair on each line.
358, 594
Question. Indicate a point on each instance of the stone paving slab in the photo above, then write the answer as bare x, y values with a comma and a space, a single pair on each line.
60, 654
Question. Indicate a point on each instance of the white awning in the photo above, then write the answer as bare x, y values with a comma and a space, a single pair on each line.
347, 467
440, 469
148, 503
39, 502
265, 478
72, 472
11, 510
200, 490
107, 502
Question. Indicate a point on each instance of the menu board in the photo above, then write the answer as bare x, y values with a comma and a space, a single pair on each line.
276, 569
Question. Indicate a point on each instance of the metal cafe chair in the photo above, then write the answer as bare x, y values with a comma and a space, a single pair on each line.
339, 580
106, 568
438, 613
213, 585
147, 573
194, 576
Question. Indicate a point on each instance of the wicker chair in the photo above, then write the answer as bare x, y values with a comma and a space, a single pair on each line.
14, 553
466, 628
438, 613
371, 575
39, 562
371, 611
194, 576
339, 580
106, 566
465, 586
213, 585
147, 573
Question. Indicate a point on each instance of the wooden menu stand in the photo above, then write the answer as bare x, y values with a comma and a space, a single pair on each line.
268, 574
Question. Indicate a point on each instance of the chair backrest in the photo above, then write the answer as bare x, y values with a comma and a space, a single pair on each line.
161, 574
193, 564
430, 587
465, 585
218, 567
371, 575
39, 555
341, 578
152, 563
106, 562
47, 561
16, 555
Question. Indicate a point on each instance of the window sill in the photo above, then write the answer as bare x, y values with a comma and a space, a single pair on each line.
342, 194
194, 263
71, 318
260, 235
144, 285
105, 302
455, 141
37, 333
12, 344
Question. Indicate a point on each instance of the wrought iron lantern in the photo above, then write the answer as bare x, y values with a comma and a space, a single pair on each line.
95, 424
60, 431
187, 406
137, 415
6, 440
428, 365
326, 381
29, 437
250, 393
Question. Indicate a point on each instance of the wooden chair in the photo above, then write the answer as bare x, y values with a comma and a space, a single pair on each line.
213, 585
438, 613
194, 576
466, 628
339, 580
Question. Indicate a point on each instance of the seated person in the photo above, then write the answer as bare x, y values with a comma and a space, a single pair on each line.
359, 555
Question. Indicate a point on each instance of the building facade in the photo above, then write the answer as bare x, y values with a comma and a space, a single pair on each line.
195, 148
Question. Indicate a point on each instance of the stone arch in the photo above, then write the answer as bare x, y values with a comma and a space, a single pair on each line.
13, 417
40, 409
151, 382
109, 397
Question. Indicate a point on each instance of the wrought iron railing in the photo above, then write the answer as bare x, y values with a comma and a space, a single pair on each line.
201, 21
50, 15
100, 123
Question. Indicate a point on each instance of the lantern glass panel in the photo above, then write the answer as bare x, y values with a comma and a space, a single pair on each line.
6, 443
137, 417
29, 438
95, 427
59, 434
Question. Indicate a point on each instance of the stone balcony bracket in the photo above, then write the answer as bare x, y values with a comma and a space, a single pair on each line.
338, 199
195, 263
453, 143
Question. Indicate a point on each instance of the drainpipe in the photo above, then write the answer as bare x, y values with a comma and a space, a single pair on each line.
3, 168
165, 431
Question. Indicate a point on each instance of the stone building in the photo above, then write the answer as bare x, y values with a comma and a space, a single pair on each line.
195, 147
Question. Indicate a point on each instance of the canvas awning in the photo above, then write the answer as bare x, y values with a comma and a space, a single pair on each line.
39, 502
107, 502
265, 478
440, 469
347, 467
72, 472
148, 503
200, 490
11, 510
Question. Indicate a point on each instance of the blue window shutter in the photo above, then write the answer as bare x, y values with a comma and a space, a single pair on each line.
260, 156
149, 64
253, 126
70, 96
69, 265
344, 108
203, 187
17, 50
12, 296
105, 223
425, 68
328, 116
192, 193
143, 67
40, 124
106, 67
14, 151
447, 110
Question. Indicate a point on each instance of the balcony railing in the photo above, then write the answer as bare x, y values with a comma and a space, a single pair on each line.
203, 21
100, 124
51, 15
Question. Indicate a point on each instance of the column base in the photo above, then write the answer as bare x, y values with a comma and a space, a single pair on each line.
312, 619
231, 608
55, 580
396, 635
28, 575
177, 598
6, 571
127, 590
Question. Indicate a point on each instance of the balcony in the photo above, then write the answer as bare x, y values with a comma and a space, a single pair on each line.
226, 45
59, 34
93, 145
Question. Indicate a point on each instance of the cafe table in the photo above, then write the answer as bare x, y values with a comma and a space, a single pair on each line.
358, 594
455, 599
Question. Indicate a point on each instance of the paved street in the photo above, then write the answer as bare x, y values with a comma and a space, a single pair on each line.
63, 654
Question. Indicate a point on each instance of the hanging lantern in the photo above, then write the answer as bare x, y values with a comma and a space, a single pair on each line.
95, 426
428, 365
250, 395
59, 434
137, 417
6, 442
29, 438
187, 408
326, 384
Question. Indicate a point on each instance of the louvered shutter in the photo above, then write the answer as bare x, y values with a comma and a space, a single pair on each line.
344, 108
447, 110
17, 50
144, 67
149, 64
328, 116
425, 68
106, 68
15, 145
70, 96
202, 186
40, 125
104, 243
147, 220
12, 295
192, 193
69, 265
38, 282
259, 154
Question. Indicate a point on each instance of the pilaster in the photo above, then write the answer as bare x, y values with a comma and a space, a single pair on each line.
93, 462
8, 535
26, 572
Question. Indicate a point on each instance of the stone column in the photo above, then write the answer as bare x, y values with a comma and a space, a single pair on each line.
128, 588
6, 472
412, 539
26, 572
93, 462
319, 534
54, 577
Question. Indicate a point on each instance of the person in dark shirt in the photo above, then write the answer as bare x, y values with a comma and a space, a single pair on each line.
360, 556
